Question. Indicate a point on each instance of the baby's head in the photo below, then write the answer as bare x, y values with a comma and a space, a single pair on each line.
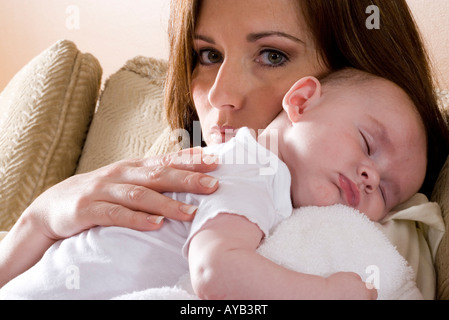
353, 138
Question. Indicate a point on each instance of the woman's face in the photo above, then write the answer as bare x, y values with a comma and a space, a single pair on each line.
249, 54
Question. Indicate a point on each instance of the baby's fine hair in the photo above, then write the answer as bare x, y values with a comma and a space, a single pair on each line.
348, 77
358, 80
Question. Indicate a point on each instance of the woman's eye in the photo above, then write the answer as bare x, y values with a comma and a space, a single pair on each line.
209, 57
272, 58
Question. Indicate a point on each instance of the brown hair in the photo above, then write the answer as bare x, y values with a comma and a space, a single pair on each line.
395, 52
181, 27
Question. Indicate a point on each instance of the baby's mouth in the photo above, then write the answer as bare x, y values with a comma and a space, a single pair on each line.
350, 190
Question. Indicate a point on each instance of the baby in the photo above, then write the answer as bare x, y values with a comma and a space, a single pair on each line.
351, 139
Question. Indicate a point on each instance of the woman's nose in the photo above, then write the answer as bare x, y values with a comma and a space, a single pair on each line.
228, 89
369, 177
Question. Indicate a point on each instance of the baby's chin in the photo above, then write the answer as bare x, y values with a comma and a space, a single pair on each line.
316, 200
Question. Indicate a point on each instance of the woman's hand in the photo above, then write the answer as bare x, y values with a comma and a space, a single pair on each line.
125, 194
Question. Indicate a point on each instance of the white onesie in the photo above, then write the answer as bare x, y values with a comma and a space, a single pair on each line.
105, 262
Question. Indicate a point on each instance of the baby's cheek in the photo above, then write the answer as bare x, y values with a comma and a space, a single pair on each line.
318, 195
375, 212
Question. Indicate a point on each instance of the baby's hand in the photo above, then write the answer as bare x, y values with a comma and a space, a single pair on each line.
349, 286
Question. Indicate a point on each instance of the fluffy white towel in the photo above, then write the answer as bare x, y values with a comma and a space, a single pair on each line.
323, 241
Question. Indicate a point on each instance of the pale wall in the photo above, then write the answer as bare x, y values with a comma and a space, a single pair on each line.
433, 19
116, 30
112, 30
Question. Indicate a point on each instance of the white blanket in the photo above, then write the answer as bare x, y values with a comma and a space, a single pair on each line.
323, 241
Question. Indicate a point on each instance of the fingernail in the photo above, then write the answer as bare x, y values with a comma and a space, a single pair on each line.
208, 182
188, 209
155, 219
210, 158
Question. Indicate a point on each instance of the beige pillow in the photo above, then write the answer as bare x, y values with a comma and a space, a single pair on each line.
130, 118
415, 229
45, 112
441, 195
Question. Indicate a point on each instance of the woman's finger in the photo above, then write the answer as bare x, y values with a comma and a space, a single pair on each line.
190, 159
141, 199
108, 214
168, 179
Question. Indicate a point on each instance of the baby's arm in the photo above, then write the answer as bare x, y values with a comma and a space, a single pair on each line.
224, 264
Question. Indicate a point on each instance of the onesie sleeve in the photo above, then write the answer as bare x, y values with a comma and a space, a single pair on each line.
264, 199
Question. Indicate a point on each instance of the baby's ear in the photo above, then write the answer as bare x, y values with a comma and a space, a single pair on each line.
301, 96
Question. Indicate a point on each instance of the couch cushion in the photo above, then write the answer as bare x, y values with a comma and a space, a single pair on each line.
44, 114
130, 119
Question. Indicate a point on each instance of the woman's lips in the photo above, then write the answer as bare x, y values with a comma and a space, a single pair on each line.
222, 134
350, 190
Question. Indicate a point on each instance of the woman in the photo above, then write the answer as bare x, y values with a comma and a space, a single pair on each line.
232, 62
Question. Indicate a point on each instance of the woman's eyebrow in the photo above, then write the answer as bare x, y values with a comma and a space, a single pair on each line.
203, 38
253, 37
